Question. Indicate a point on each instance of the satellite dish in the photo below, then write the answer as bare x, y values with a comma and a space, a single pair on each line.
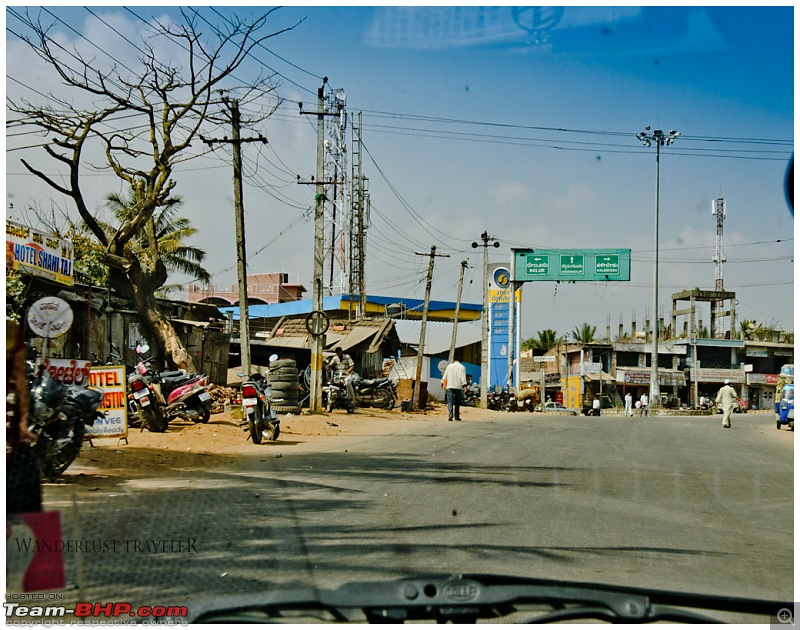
442, 366
50, 317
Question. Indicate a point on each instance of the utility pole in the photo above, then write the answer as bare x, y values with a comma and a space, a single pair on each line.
452, 355
317, 340
420, 351
317, 333
485, 318
238, 202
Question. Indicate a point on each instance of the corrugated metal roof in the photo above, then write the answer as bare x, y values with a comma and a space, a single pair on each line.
438, 334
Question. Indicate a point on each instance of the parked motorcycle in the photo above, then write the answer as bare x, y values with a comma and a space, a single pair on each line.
375, 392
59, 415
472, 396
178, 394
334, 393
257, 400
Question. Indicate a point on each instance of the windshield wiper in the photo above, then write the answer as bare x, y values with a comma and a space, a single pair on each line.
469, 598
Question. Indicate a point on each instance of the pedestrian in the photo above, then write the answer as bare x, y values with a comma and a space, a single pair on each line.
645, 403
628, 405
728, 397
344, 363
454, 381
596, 406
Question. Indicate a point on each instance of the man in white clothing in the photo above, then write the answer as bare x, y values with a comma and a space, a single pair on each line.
454, 381
628, 404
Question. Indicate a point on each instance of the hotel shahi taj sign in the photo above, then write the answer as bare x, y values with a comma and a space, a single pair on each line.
39, 254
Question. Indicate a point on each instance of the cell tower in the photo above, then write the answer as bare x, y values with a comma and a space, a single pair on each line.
336, 207
718, 211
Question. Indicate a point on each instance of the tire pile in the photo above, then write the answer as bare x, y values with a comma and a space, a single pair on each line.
284, 382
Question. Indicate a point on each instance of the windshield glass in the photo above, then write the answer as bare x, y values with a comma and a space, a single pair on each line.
507, 211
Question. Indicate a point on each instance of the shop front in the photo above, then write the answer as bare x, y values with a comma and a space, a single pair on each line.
760, 391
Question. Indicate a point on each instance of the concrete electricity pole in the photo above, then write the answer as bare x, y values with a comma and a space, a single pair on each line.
420, 351
238, 202
485, 318
452, 355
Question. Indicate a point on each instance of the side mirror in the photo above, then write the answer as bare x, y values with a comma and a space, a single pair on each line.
273, 357
143, 349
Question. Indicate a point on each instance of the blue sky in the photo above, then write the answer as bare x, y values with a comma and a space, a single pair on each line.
524, 128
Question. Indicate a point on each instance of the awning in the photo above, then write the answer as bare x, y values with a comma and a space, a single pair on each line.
354, 337
191, 322
598, 376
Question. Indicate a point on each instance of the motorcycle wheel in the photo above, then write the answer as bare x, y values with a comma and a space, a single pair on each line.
153, 418
54, 463
351, 408
254, 420
205, 414
383, 399
329, 406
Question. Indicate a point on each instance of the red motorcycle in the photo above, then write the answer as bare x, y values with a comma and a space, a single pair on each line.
178, 394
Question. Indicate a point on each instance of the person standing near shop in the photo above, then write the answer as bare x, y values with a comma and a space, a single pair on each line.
628, 405
727, 397
454, 381
645, 401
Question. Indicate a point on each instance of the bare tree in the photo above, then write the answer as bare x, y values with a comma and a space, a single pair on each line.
144, 120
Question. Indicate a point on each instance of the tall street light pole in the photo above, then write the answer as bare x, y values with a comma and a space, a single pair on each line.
660, 139
485, 318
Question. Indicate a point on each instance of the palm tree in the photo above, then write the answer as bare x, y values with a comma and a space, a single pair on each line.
546, 340
584, 334
171, 234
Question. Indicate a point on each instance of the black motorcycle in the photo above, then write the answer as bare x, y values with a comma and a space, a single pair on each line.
59, 415
375, 392
262, 421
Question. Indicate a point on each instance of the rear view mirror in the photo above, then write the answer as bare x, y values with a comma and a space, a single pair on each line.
273, 357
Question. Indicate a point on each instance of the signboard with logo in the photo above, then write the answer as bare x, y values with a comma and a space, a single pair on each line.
39, 254
720, 375
597, 265
111, 379
762, 379
500, 283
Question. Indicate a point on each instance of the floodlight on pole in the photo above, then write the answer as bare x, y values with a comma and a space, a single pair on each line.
660, 139
485, 317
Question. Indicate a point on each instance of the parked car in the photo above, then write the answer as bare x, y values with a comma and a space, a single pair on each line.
556, 407
739, 407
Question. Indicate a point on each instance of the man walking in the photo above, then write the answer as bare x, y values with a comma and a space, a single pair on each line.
628, 405
728, 397
454, 381
644, 400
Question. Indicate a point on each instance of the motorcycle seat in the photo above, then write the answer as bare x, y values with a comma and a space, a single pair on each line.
172, 374
176, 381
373, 382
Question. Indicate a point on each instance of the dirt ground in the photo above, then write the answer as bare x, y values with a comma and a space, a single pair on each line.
186, 445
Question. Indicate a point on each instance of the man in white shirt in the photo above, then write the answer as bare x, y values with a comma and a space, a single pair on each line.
628, 404
454, 381
644, 401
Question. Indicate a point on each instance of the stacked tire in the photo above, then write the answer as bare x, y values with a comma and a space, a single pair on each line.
284, 383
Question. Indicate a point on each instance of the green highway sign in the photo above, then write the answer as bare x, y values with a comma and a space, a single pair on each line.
537, 265
593, 265
571, 265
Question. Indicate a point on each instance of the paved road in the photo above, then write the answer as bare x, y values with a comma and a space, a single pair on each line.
666, 502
